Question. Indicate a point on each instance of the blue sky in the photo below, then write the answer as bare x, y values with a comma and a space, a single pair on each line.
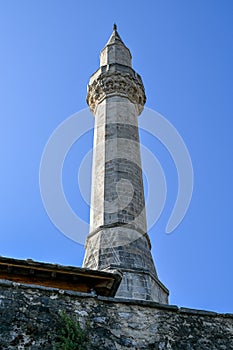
184, 51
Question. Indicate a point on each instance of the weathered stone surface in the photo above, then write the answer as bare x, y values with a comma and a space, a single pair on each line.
29, 316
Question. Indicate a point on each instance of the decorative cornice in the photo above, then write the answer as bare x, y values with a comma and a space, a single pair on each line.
116, 84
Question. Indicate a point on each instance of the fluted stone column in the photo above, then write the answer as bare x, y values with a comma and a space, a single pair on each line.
118, 237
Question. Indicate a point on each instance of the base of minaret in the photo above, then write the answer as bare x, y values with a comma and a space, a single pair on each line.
127, 250
141, 285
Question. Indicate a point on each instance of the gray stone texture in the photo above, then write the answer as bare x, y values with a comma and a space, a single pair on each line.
29, 318
118, 233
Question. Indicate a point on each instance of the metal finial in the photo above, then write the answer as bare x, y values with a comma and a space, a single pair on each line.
114, 26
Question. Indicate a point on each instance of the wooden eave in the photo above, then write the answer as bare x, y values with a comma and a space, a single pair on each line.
57, 276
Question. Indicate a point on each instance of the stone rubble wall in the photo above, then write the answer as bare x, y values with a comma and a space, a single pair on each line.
29, 314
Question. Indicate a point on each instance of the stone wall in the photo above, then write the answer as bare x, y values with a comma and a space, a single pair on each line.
29, 314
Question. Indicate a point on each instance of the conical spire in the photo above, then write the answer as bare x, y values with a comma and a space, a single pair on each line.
115, 51
115, 37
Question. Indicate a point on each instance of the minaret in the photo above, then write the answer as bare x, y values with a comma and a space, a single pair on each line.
118, 238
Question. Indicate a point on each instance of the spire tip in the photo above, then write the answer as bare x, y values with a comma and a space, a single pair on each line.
114, 26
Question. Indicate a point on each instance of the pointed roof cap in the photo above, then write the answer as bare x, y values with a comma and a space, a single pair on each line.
115, 37
115, 51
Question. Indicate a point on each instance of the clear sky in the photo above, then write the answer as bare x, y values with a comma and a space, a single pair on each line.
184, 52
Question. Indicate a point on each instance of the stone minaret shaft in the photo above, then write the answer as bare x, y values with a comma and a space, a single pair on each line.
118, 237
